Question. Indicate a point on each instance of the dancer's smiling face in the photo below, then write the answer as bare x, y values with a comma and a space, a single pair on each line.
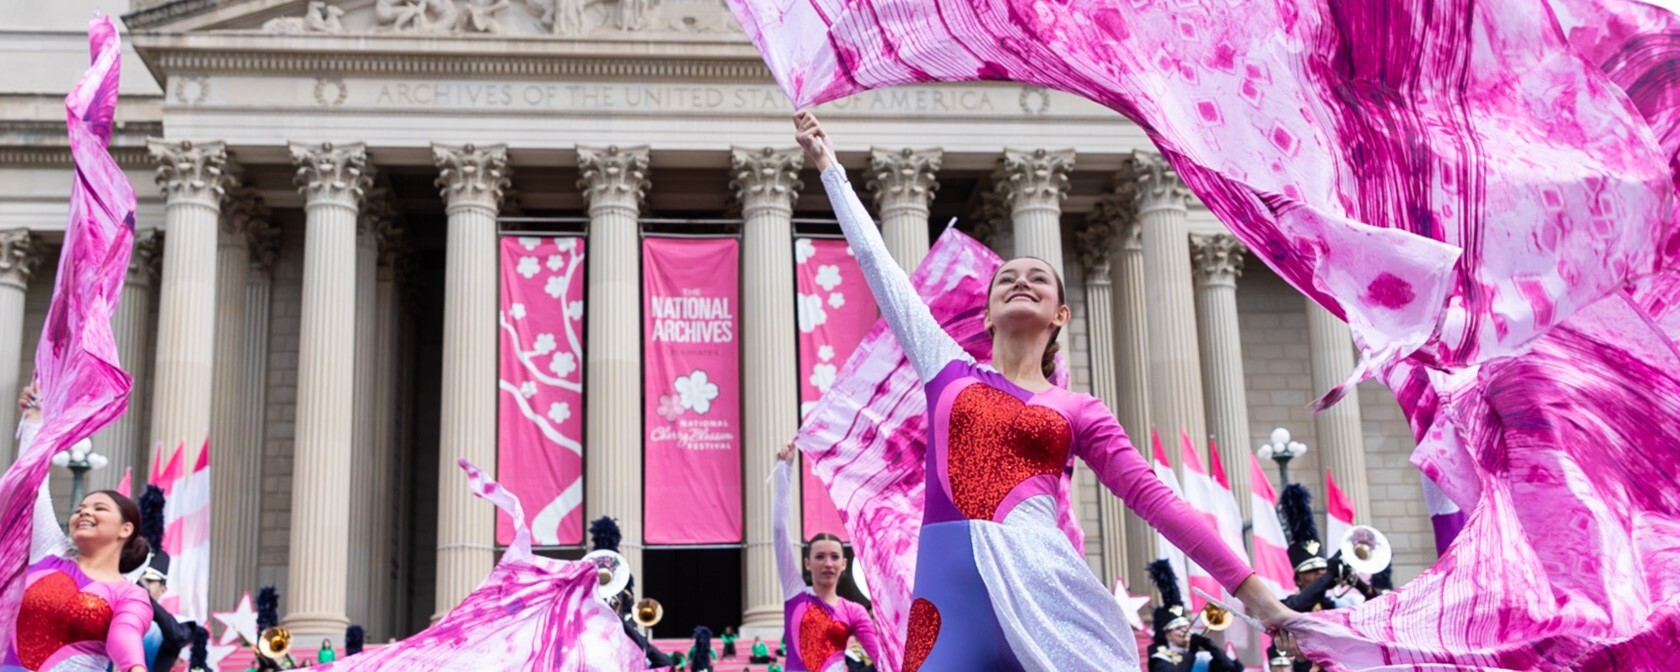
98, 521
1026, 297
826, 561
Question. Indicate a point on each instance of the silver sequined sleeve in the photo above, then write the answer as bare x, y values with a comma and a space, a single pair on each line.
927, 345
785, 548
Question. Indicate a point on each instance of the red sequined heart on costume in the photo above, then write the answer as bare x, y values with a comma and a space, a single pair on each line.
922, 633
820, 636
996, 442
55, 614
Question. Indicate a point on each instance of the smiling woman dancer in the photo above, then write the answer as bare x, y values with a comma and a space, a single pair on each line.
79, 611
816, 620
993, 561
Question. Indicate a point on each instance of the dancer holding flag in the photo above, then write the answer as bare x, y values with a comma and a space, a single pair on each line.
993, 558
817, 621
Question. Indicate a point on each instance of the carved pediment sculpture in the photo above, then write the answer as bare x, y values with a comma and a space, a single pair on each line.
566, 18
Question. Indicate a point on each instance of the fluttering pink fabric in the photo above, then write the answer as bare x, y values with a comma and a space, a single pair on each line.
867, 437
531, 614
1484, 189
83, 387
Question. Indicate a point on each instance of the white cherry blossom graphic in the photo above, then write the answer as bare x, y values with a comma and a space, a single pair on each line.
528, 267
696, 392
556, 286
565, 244
559, 412
556, 262
529, 243
574, 310
517, 310
528, 389
836, 300
544, 344
828, 277
803, 249
811, 313
825, 353
563, 364
822, 376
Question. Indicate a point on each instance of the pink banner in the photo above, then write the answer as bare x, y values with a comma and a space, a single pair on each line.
690, 290
835, 312
539, 432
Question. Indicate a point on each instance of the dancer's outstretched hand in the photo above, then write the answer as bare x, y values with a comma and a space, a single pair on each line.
1259, 602
786, 453
813, 139
29, 403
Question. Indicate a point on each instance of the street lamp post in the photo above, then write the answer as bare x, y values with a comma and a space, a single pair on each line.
1282, 450
80, 459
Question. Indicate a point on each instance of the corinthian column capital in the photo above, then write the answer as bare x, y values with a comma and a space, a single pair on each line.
242, 211
469, 174
613, 175
20, 253
1038, 177
905, 176
189, 171
145, 262
765, 176
376, 216
1151, 182
1097, 239
332, 173
1217, 259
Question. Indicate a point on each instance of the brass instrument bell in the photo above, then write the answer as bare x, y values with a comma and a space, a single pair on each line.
649, 612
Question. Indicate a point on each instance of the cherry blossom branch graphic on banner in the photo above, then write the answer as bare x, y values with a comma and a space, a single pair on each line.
692, 390
539, 447
835, 312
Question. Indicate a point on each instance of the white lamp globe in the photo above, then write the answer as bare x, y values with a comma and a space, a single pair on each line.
97, 461
1265, 451
1280, 436
61, 460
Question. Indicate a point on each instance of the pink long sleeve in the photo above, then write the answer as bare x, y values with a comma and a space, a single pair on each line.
124, 641
863, 628
1103, 444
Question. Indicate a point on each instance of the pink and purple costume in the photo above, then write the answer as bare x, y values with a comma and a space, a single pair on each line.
998, 586
816, 631
69, 622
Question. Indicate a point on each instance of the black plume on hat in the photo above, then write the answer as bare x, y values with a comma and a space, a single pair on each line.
354, 639
604, 535
151, 517
1166, 581
702, 648
1295, 506
200, 657
268, 608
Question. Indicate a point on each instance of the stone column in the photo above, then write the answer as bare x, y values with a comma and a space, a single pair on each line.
903, 184
333, 179
381, 622
19, 254
372, 220
123, 441
230, 454
1341, 440
194, 177
264, 246
1095, 244
1033, 184
472, 179
1218, 260
614, 182
766, 183
1175, 371
1131, 367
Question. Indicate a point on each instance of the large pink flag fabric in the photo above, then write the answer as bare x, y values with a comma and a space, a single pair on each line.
867, 437
1483, 189
83, 387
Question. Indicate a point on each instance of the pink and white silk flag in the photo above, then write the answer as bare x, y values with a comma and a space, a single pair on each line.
1229, 517
867, 438
83, 387
835, 312
1271, 547
1164, 549
1199, 493
1338, 511
127, 483
531, 614
692, 360
186, 538
539, 433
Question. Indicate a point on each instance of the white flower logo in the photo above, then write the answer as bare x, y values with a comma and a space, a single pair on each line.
828, 275
544, 344
556, 286
555, 261
574, 310
822, 376
696, 392
527, 267
803, 249
825, 353
529, 243
528, 389
559, 412
811, 313
836, 300
565, 244
563, 364
517, 311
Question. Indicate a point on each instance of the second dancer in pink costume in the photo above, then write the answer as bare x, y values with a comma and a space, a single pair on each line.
817, 622
998, 586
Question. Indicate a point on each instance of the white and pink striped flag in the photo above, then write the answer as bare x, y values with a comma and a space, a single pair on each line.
1199, 492
1164, 549
127, 483
1340, 514
1230, 519
1271, 549
186, 537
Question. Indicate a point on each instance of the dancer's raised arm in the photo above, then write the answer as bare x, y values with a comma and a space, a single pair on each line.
924, 342
47, 538
785, 547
